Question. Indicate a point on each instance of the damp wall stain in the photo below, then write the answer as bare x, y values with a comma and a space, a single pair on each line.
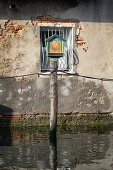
74, 96
85, 10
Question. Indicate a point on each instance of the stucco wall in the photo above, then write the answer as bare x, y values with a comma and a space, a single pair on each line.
20, 54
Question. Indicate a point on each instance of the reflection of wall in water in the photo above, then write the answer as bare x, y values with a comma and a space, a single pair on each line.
32, 150
82, 148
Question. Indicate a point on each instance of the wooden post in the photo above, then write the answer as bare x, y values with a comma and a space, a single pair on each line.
54, 99
54, 50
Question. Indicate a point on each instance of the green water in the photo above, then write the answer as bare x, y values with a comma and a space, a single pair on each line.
74, 149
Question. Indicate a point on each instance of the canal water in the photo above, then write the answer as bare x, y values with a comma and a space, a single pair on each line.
80, 150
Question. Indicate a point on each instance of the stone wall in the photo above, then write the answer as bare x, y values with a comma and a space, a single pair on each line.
20, 55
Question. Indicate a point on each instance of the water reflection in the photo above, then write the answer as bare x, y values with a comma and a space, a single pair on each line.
88, 151
5, 115
53, 153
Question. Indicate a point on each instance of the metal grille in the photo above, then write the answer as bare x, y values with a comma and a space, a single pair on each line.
63, 62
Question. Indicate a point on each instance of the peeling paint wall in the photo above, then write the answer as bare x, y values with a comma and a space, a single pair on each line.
20, 54
18, 49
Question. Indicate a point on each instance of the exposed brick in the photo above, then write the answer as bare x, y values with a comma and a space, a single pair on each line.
11, 28
50, 19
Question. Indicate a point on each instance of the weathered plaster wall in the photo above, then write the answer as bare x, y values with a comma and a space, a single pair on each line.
74, 96
20, 54
18, 49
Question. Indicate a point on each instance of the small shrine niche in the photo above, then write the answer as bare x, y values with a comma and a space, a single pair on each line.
55, 46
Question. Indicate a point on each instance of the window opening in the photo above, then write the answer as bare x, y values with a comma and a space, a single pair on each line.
64, 63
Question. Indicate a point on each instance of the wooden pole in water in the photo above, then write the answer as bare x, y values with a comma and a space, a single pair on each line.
53, 154
54, 99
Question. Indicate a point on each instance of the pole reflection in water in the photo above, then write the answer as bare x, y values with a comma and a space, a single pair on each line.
53, 153
33, 150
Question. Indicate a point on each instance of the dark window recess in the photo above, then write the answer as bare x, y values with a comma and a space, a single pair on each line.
64, 63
